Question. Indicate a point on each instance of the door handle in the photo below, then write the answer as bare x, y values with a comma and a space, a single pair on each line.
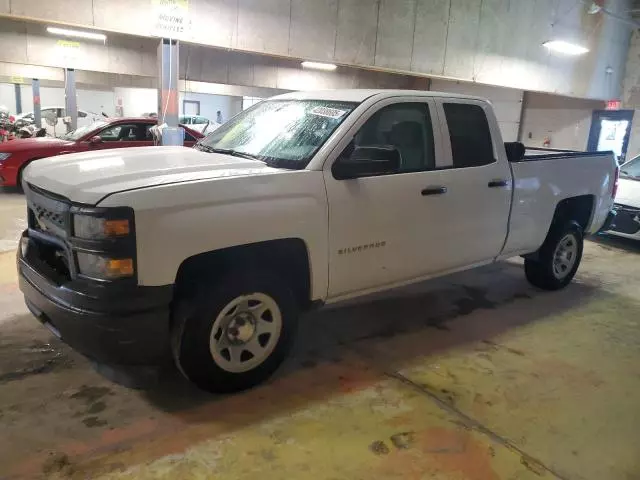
434, 191
498, 183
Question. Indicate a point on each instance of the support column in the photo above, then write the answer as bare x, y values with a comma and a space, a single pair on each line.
18, 92
70, 99
168, 97
37, 113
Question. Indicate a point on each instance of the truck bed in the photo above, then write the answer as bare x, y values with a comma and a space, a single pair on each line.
545, 177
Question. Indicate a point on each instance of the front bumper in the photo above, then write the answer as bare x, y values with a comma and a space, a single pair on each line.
627, 221
103, 322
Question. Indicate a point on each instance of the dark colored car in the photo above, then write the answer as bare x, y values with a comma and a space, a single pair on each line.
114, 133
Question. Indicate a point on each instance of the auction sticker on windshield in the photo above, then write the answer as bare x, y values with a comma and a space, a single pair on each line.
328, 112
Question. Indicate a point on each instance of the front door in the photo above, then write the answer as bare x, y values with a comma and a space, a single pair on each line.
380, 227
610, 130
124, 135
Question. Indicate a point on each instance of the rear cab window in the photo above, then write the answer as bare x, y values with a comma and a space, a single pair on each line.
470, 135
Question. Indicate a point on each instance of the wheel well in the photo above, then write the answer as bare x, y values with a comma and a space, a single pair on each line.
578, 208
287, 257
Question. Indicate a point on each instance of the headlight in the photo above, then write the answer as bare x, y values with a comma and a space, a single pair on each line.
4, 156
104, 268
95, 228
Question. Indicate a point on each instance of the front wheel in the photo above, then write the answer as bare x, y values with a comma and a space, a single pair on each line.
558, 258
235, 332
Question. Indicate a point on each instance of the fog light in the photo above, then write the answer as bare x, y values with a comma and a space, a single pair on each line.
24, 246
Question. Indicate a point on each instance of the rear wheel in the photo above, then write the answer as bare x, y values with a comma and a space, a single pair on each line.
236, 332
558, 259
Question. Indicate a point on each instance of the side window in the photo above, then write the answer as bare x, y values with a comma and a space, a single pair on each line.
405, 126
188, 137
470, 135
82, 114
122, 133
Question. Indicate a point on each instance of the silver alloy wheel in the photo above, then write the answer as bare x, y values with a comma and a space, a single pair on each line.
245, 332
565, 256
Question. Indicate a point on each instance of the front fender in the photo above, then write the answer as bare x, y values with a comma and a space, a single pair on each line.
178, 221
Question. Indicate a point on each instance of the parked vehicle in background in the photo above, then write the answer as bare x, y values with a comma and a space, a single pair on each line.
16, 154
304, 199
53, 120
627, 202
199, 123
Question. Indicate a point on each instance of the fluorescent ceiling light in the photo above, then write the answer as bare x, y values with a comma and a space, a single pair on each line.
319, 66
77, 33
561, 46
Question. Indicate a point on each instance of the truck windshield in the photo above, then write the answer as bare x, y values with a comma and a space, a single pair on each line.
631, 169
282, 133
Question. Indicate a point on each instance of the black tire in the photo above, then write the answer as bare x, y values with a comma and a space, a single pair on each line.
194, 319
540, 271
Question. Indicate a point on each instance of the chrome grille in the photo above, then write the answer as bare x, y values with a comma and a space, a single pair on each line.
43, 214
47, 213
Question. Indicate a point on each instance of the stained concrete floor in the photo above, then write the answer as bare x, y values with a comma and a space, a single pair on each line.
476, 376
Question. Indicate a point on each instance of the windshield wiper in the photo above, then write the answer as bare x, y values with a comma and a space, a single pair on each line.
228, 151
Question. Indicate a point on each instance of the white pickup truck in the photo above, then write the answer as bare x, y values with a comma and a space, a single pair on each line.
210, 253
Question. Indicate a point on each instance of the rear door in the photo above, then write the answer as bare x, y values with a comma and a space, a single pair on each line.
478, 183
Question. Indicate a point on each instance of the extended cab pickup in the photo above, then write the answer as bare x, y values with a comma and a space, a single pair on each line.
210, 253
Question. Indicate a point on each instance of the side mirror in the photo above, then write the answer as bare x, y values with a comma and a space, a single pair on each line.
515, 151
95, 140
367, 162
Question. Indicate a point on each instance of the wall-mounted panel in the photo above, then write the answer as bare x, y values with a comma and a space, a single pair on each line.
357, 28
462, 37
80, 13
394, 43
263, 26
429, 39
313, 29
215, 20
122, 15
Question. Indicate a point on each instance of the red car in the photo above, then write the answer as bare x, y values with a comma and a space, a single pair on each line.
110, 133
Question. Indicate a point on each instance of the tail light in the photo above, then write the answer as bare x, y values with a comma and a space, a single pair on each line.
615, 183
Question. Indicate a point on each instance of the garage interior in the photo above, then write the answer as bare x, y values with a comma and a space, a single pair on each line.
474, 376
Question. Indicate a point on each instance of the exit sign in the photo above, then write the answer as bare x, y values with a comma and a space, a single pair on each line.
613, 105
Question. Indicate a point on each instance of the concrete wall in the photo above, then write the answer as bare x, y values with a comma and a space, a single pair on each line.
8, 96
494, 42
136, 101
210, 104
566, 121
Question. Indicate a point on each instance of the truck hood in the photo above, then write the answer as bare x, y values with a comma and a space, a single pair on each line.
88, 177
628, 192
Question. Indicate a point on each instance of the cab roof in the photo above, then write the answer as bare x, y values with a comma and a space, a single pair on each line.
360, 95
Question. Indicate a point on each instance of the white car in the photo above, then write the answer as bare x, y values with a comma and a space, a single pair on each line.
306, 199
627, 202
198, 123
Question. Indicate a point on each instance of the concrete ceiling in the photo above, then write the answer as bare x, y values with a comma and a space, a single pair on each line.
495, 42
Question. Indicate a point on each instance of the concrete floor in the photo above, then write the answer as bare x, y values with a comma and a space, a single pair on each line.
477, 376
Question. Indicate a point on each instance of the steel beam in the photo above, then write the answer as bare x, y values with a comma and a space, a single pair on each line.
70, 99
